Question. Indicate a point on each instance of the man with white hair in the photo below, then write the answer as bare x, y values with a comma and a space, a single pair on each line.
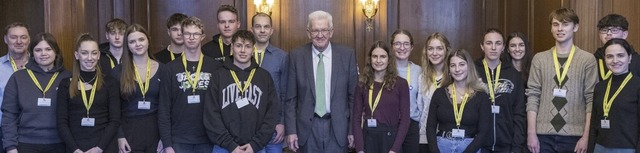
321, 82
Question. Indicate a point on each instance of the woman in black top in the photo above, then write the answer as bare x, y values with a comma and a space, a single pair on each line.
139, 91
88, 109
459, 110
519, 54
29, 105
614, 118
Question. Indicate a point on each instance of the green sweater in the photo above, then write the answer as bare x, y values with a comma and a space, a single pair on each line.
566, 119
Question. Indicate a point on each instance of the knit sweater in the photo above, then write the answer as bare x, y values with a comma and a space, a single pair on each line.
580, 81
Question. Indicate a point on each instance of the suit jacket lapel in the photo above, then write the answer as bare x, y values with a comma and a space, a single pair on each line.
336, 60
308, 66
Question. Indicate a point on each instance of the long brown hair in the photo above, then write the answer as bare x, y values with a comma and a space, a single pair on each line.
367, 78
528, 54
428, 69
51, 41
473, 83
127, 74
75, 76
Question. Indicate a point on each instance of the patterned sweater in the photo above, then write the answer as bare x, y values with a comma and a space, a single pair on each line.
561, 118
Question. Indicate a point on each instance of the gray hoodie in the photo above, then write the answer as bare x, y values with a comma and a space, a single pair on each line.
22, 119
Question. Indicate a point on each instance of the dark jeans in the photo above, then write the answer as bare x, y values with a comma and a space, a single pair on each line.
557, 144
412, 139
41, 148
192, 148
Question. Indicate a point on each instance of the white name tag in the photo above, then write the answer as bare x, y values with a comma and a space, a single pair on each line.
242, 102
560, 93
372, 123
193, 99
495, 109
457, 133
144, 105
86, 121
605, 124
44, 101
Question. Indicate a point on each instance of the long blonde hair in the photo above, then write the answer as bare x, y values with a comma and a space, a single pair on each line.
473, 83
75, 76
428, 69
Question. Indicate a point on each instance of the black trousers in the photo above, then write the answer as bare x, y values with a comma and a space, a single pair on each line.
41, 148
424, 148
412, 140
142, 133
379, 139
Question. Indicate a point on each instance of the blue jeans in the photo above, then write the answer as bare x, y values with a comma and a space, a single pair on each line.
602, 149
272, 147
453, 145
218, 149
557, 143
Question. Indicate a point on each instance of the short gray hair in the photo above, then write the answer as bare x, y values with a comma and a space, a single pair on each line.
320, 15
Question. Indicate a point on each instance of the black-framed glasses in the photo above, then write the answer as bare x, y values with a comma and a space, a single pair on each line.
612, 30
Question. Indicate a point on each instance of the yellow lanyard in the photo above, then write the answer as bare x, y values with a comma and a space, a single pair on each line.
171, 53
562, 75
606, 104
246, 85
457, 112
409, 73
373, 105
194, 83
603, 75
492, 83
222, 48
13, 64
435, 82
111, 61
258, 55
144, 86
33, 77
87, 104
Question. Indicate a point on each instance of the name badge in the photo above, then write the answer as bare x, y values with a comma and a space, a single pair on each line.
605, 124
144, 105
495, 109
560, 93
193, 99
457, 133
372, 123
87, 121
44, 101
242, 102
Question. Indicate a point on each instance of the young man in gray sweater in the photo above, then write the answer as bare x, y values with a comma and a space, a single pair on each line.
559, 94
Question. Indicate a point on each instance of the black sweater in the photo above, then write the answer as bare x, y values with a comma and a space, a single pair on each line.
212, 49
477, 113
179, 121
105, 110
230, 126
164, 56
623, 116
130, 103
508, 130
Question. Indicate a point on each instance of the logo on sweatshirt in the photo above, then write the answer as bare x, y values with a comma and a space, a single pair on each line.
504, 86
231, 94
185, 85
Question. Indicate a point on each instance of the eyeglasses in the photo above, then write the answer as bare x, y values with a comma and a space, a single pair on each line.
398, 44
612, 30
194, 35
323, 31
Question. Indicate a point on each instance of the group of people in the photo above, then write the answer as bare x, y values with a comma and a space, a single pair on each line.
239, 93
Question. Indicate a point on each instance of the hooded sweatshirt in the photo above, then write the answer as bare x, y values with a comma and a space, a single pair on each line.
106, 58
508, 126
634, 66
231, 121
23, 120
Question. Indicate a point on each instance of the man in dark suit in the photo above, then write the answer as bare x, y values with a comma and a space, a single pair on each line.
321, 84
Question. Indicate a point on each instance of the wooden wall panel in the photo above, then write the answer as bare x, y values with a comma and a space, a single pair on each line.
460, 20
517, 17
73, 13
27, 12
160, 10
589, 13
629, 9
541, 37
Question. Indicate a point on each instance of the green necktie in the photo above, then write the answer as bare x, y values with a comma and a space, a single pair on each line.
320, 95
